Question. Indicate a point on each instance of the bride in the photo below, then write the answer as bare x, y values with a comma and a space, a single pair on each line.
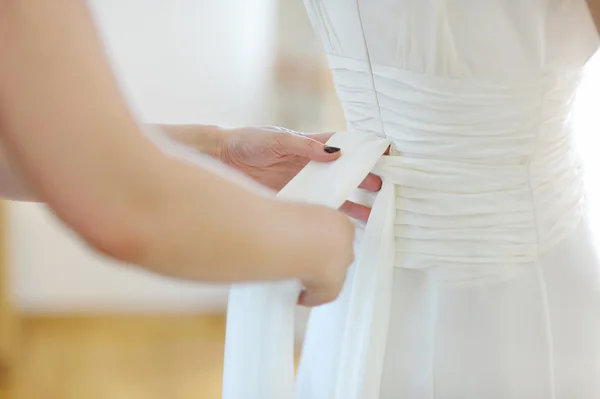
477, 275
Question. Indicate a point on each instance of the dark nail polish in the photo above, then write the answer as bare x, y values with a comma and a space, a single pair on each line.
330, 150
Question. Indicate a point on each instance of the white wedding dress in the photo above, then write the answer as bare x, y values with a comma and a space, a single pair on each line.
476, 276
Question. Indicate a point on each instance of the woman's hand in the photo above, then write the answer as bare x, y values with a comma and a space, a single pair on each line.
270, 155
321, 242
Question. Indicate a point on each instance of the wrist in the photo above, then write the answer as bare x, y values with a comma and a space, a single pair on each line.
207, 139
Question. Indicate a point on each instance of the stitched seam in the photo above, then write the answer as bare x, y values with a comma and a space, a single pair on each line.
536, 218
546, 310
370, 66
378, 104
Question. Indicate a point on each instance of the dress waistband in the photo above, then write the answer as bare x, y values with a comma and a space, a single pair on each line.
447, 212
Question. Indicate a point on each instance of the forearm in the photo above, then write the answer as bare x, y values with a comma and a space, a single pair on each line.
594, 7
205, 139
12, 185
213, 230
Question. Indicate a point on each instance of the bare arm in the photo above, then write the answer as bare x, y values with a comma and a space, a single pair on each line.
14, 187
70, 133
594, 6
12, 184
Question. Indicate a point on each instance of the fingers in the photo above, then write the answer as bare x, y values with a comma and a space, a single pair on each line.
320, 137
334, 253
316, 295
313, 297
313, 147
308, 147
356, 211
371, 183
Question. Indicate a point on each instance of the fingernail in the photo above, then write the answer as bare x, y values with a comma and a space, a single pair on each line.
330, 150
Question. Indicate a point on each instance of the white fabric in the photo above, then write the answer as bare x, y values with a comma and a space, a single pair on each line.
476, 276
259, 348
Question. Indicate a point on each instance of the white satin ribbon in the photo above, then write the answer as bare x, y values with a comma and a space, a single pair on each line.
259, 346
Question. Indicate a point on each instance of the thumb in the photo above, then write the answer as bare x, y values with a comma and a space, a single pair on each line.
310, 148
316, 297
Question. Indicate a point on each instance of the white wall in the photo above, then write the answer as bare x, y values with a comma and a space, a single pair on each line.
180, 61
193, 60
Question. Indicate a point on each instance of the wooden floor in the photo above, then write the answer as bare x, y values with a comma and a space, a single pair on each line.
172, 357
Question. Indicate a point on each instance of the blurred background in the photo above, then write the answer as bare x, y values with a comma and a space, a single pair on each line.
75, 325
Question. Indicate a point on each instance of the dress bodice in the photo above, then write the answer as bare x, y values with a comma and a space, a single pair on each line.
466, 65
476, 98
499, 40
